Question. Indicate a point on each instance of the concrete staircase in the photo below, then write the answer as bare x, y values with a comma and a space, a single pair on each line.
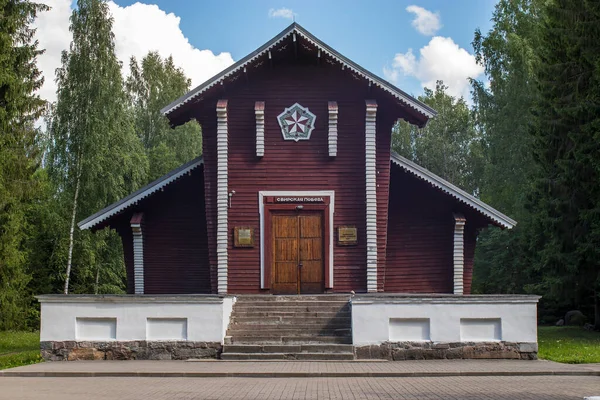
306, 327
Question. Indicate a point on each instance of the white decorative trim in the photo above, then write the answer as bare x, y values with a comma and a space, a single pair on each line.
144, 192
259, 111
453, 191
294, 29
458, 254
261, 211
371, 194
138, 253
333, 131
222, 196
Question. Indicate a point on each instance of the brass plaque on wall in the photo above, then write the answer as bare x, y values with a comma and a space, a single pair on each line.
347, 236
243, 236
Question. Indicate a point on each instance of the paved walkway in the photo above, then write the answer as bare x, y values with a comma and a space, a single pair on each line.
288, 369
458, 387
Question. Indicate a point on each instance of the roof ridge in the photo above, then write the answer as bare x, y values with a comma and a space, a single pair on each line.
295, 27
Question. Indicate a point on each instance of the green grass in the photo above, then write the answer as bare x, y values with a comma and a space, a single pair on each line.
19, 348
568, 344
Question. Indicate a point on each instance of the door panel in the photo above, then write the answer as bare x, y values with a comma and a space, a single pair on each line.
285, 253
297, 258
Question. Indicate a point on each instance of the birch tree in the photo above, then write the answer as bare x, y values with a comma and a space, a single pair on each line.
152, 84
95, 157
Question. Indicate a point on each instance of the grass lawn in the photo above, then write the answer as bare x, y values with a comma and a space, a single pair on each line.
568, 344
19, 348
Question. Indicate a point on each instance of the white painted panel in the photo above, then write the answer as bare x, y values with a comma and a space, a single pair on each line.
205, 321
404, 329
166, 329
480, 329
96, 328
371, 317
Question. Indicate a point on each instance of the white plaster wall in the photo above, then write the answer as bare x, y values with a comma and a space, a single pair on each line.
370, 320
228, 303
205, 321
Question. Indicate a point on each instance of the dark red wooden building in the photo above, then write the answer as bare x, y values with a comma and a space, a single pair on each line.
297, 190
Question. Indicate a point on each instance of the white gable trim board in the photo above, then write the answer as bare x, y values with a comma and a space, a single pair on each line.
261, 210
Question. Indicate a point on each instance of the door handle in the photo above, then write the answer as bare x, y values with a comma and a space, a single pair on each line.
300, 265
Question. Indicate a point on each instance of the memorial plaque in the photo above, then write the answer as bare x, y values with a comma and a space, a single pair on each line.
243, 236
347, 236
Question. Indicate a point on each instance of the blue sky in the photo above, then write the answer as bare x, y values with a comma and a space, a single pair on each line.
376, 34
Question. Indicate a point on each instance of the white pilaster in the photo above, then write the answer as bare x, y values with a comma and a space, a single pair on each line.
333, 131
138, 253
459, 252
371, 194
259, 110
222, 196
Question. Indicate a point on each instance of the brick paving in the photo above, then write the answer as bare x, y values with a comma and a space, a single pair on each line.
300, 369
488, 387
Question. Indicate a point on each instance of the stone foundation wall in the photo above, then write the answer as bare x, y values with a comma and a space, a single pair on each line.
397, 351
131, 350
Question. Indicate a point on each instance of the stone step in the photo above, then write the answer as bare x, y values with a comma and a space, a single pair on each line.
288, 348
292, 298
299, 321
288, 331
311, 339
287, 356
286, 314
340, 303
288, 309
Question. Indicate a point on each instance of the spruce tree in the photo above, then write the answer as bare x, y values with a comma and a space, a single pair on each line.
95, 157
565, 200
20, 107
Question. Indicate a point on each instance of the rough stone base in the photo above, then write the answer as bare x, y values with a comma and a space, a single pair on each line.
397, 351
133, 350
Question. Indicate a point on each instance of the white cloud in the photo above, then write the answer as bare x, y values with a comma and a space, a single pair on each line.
281, 13
138, 28
426, 22
440, 59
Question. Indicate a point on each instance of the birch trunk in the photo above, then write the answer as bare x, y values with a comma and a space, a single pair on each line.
72, 229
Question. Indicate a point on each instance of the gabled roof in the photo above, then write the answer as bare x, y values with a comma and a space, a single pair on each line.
459, 194
296, 29
140, 194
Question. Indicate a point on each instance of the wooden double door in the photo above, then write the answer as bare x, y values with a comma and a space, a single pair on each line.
297, 252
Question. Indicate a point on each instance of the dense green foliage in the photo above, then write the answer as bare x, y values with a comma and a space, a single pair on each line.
565, 199
19, 348
99, 120
19, 156
151, 86
568, 344
449, 145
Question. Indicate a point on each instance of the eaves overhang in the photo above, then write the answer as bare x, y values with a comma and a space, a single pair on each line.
140, 194
489, 212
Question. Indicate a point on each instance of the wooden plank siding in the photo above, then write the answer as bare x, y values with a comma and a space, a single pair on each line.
420, 238
298, 166
175, 239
